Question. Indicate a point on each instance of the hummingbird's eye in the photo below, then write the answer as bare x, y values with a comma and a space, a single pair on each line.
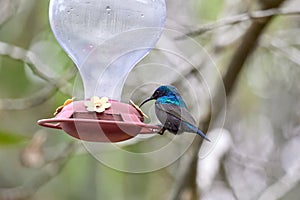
156, 93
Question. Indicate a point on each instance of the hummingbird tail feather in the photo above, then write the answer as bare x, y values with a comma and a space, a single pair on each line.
202, 135
196, 130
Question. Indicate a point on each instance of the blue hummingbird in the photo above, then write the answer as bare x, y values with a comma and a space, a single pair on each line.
172, 112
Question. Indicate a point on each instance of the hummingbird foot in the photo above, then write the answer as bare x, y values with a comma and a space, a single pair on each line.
161, 131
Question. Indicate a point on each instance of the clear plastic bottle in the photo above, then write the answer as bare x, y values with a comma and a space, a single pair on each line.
106, 38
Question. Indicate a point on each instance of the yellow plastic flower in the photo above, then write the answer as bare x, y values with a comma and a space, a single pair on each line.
97, 105
58, 110
138, 108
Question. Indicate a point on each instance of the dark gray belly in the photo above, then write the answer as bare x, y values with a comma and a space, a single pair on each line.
170, 122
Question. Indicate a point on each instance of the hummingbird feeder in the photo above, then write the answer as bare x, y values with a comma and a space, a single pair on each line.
105, 39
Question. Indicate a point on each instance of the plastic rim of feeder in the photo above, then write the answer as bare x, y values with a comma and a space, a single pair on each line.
118, 123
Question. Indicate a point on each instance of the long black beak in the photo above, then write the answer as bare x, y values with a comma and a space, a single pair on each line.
145, 101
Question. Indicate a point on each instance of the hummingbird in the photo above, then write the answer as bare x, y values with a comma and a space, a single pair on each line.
172, 112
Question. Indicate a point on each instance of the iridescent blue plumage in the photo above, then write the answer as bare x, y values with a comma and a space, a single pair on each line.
172, 111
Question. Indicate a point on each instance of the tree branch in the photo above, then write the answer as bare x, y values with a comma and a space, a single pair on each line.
187, 177
226, 179
28, 102
254, 15
277, 47
283, 185
40, 70
8, 8
48, 172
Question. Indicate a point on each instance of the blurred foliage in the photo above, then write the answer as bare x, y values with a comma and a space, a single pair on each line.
209, 10
7, 138
263, 115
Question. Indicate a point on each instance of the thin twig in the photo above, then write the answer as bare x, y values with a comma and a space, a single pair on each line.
227, 180
286, 183
8, 9
39, 69
28, 102
48, 172
276, 46
254, 15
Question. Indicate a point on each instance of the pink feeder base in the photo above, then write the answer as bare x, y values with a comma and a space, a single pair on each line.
118, 123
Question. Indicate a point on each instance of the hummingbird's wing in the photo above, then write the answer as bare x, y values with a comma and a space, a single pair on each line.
177, 111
